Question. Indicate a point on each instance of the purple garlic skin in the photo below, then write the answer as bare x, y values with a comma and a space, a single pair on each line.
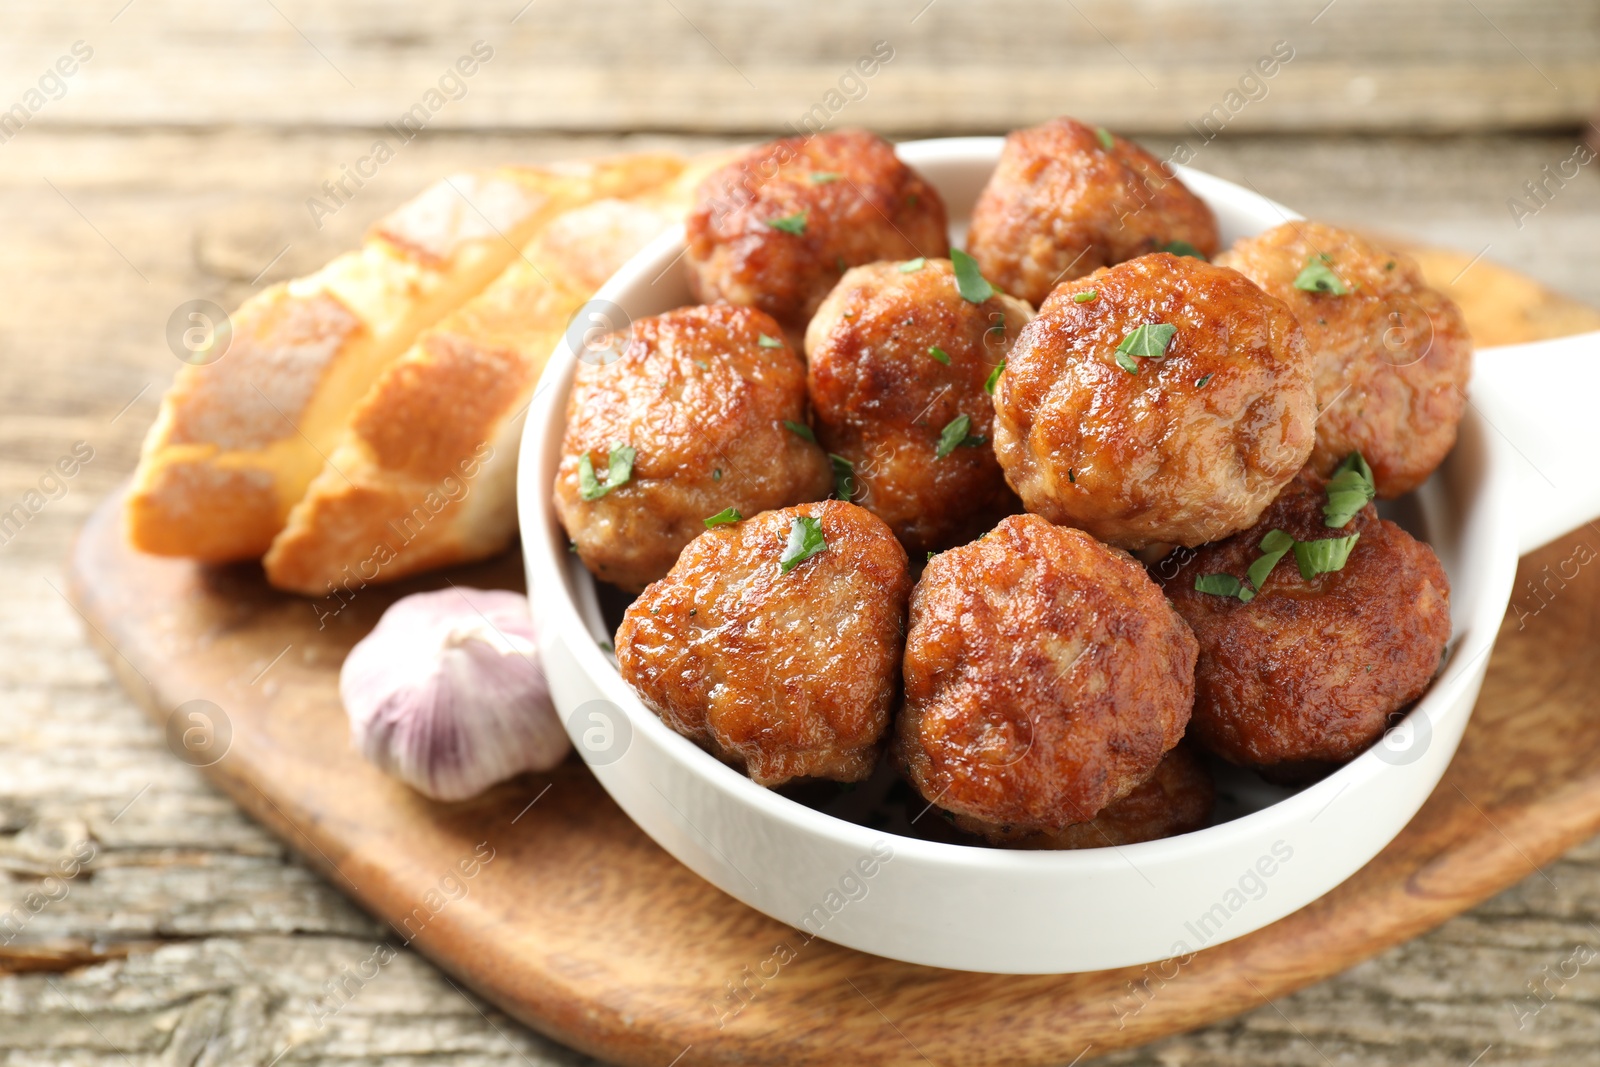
447, 693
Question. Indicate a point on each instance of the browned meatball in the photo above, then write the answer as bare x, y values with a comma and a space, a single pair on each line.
1046, 677
777, 228
1177, 799
897, 359
1067, 199
1310, 671
1391, 356
701, 396
786, 674
1181, 447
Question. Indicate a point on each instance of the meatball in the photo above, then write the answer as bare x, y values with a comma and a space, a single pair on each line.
1045, 675
1163, 400
1390, 356
704, 409
1309, 671
900, 366
1067, 199
775, 642
777, 228
1177, 799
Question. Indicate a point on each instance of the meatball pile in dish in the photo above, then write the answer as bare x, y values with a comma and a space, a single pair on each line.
1067, 199
778, 228
1300, 673
1160, 401
900, 368
1045, 678
1176, 799
775, 641
1392, 356
703, 410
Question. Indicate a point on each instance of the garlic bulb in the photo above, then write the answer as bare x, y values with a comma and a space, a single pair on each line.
446, 693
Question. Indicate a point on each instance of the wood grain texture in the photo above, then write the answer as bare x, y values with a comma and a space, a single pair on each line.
730, 65
201, 938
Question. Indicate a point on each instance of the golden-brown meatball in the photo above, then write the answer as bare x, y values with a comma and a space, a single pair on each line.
1181, 446
1067, 199
777, 228
775, 642
1177, 799
1045, 676
709, 406
897, 359
1309, 671
1391, 356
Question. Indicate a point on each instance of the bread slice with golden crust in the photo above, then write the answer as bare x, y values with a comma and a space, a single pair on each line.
426, 474
238, 441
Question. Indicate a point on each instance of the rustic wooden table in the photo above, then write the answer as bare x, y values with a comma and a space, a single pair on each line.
176, 164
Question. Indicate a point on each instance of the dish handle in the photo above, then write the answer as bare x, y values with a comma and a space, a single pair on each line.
1543, 402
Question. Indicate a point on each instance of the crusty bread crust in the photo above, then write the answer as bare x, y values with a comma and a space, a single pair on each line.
238, 441
424, 475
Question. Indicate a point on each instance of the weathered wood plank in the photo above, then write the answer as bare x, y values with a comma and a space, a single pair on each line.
725, 65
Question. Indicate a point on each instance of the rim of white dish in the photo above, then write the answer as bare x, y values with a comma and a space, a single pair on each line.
580, 613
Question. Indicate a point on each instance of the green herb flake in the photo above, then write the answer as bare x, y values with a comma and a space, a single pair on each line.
844, 477
939, 354
840, 264
716, 475
800, 429
619, 469
994, 378
795, 224
956, 435
1072, 475
702, 364
1085, 297
606, 647
1349, 490
1323, 557
724, 517
1150, 341
823, 177
768, 342
930, 556
805, 541
911, 266
1224, 585
1182, 248
1127, 363
1317, 277
1103, 135
969, 279
1387, 266
1201, 383
1274, 545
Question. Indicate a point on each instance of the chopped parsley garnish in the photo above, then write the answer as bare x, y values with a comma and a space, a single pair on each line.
619, 469
1182, 248
1274, 545
1349, 490
911, 266
930, 556
939, 354
844, 477
716, 475
1127, 363
970, 281
1085, 297
1224, 585
1202, 382
955, 435
723, 517
805, 541
1150, 341
823, 177
768, 342
1317, 277
795, 224
1103, 135
1323, 557
800, 429
994, 378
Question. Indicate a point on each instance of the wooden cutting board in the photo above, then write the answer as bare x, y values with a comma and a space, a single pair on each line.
576, 923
